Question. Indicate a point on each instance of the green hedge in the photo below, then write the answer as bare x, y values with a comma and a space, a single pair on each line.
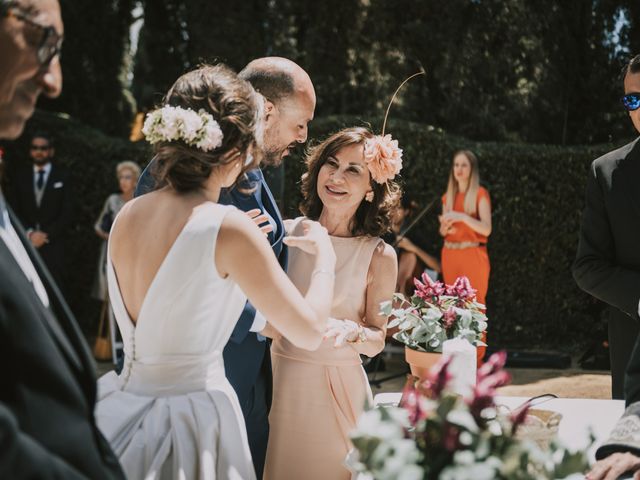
537, 194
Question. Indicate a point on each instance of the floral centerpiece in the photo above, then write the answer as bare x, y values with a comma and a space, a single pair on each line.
436, 434
436, 312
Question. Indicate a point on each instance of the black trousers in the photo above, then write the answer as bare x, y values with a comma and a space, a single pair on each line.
623, 332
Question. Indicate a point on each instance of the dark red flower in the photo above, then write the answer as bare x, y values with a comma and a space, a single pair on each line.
449, 318
495, 363
490, 377
439, 377
450, 438
410, 401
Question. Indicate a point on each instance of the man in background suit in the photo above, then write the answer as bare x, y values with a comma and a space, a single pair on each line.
607, 264
289, 105
42, 198
47, 427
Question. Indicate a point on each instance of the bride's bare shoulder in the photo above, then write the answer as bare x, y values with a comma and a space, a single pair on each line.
235, 223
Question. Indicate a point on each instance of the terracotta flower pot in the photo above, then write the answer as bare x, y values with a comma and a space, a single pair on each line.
420, 362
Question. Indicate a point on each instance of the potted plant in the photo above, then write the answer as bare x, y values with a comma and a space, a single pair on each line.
436, 312
436, 434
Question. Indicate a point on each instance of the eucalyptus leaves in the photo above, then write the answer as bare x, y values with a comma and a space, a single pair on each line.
435, 313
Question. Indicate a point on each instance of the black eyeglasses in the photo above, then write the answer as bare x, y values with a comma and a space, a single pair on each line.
49, 43
40, 148
631, 101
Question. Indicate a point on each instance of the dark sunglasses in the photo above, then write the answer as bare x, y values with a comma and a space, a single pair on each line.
49, 43
631, 101
40, 148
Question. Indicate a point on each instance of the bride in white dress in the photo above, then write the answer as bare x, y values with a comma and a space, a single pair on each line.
180, 267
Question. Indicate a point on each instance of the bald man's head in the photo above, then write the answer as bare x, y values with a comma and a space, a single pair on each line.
290, 103
277, 78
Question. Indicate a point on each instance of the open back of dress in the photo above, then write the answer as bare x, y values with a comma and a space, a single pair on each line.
171, 413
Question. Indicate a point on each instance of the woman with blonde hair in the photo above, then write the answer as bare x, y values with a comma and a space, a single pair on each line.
128, 173
108, 341
465, 224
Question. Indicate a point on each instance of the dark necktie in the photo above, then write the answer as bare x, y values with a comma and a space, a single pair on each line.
40, 179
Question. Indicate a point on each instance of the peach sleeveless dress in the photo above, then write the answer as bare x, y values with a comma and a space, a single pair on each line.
318, 396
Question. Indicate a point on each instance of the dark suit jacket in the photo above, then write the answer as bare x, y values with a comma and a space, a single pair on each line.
47, 426
607, 264
53, 216
244, 355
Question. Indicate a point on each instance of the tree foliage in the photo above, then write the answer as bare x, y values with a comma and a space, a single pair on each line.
94, 64
503, 70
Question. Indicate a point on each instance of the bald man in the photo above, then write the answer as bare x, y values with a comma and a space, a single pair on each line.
47, 427
290, 101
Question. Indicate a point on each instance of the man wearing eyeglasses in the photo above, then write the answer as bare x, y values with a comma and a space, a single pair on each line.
607, 263
31, 38
48, 387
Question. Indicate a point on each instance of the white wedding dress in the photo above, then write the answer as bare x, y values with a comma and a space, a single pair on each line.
171, 413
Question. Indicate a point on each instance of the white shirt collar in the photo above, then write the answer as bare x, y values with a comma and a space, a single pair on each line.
46, 168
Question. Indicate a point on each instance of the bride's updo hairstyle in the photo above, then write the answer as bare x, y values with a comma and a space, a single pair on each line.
234, 105
372, 218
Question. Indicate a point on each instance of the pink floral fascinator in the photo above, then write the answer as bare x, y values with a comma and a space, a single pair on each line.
381, 152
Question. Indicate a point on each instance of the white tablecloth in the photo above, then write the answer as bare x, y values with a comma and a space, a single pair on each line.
578, 415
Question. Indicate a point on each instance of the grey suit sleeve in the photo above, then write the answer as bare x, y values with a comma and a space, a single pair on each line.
23, 457
595, 269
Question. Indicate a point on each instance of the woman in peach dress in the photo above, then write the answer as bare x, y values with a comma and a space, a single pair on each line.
318, 396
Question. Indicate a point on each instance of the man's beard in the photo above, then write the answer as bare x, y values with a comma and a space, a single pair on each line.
272, 155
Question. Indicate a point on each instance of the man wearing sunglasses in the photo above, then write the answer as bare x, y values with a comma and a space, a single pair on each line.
42, 198
48, 386
607, 263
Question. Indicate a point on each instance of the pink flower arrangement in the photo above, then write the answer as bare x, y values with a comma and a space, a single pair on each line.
383, 157
436, 312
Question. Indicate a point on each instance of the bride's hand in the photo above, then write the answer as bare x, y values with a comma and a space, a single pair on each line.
342, 330
314, 241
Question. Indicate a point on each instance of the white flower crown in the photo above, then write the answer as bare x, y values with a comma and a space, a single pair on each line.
197, 129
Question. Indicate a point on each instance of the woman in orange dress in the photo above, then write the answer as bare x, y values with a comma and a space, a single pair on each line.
465, 224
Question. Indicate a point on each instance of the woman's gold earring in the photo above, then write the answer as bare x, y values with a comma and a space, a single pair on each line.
369, 196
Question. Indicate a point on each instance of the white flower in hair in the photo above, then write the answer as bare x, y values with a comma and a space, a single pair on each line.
192, 124
212, 136
169, 124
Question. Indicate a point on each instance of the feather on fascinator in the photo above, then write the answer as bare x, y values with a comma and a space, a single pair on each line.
381, 153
